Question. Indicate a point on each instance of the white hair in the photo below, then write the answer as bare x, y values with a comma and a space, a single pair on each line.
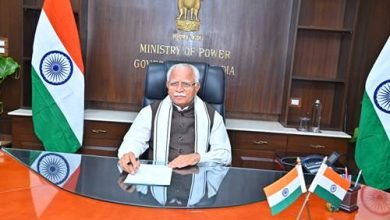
195, 70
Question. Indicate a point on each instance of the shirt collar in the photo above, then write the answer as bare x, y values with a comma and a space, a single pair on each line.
183, 109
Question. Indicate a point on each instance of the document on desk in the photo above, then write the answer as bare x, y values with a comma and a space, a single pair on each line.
149, 174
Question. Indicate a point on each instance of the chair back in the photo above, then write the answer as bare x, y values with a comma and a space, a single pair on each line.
211, 79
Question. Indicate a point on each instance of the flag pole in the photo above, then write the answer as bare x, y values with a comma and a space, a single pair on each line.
304, 204
309, 193
308, 210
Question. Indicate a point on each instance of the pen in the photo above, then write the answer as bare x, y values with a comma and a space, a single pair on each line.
357, 179
129, 163
346, 173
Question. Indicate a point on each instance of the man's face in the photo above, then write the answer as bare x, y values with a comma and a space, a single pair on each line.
182, 87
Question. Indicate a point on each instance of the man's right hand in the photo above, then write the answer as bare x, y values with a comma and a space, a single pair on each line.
129, 163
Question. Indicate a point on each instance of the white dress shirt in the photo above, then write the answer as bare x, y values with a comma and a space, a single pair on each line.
137, 139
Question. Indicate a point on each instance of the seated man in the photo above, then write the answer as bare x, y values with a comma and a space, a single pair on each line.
184, 129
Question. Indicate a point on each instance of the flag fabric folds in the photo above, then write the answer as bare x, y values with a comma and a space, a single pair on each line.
329, 185
286, 190
372, 152
57, 79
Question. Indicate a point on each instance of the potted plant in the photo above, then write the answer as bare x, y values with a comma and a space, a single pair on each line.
8, 66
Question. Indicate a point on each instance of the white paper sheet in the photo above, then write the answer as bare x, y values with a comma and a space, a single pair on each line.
148, 174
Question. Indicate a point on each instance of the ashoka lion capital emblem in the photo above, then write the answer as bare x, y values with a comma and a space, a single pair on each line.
188, 19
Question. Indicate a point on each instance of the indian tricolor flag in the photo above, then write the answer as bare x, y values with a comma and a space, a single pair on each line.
58, 79
372, 152
286, 190
329, 185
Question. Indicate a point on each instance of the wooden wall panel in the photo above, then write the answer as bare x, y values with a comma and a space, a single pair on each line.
372, 31
326, 13
11, 28
100, 30
254, 35
317, 54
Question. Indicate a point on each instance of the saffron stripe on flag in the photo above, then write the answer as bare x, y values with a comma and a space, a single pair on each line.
60, 15
328, 184
281, 183
286, 190
278, 196
72, 108
336, 178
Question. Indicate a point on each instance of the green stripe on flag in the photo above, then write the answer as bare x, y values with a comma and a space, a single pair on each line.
33, 156
54, 136
329, 197
372, 153
286, 202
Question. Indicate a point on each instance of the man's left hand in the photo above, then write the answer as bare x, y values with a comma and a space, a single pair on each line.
184, 160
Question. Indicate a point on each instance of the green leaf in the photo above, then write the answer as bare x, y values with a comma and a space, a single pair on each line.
355, 135
8, 66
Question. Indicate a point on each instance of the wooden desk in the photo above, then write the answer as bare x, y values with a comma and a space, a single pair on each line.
26, 195
254, 143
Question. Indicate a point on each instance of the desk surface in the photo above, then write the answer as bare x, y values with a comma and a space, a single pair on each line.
202, 186
27, 195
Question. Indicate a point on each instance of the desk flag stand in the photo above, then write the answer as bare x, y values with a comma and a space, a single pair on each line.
327, 184
308, 193
285, 191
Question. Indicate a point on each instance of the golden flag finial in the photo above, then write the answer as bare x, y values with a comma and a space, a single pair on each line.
298, 161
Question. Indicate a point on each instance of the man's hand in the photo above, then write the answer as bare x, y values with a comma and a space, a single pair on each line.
184, 160
129, 163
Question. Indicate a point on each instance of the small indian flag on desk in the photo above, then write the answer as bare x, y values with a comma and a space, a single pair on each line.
329, 185
286, 190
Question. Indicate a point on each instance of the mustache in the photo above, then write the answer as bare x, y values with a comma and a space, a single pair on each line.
179, 94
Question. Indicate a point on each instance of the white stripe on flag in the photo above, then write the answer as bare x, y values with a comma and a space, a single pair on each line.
301, 178
46, 39
327, 183
278, 196
318, 177
376, 76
